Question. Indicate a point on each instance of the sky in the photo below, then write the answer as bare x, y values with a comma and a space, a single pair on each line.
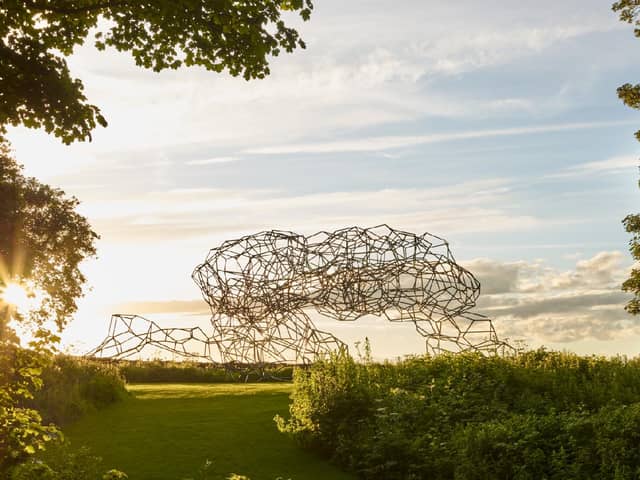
497, 128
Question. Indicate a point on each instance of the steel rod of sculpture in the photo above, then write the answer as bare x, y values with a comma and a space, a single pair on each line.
260, 288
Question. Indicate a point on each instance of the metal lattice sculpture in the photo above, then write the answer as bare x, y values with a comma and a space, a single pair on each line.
130, 334
261, 287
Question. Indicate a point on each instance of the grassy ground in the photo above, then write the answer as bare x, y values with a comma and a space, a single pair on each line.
168, 431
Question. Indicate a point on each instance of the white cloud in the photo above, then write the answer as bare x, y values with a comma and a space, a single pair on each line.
393, 142
595, 272
538, 303
495, 277
490, 47
476, 206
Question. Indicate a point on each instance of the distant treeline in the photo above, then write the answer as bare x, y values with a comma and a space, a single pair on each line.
165, 371
534, 415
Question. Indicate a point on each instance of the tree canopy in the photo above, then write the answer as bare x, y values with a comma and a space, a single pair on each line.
629, 11
38, 90
42, 242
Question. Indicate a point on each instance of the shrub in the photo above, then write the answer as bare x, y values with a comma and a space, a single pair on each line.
75, 386
325, 396
564, 445
22, 433
511, 416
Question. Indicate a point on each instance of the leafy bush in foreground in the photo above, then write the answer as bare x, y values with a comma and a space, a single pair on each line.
63, 463
38, 390
22, 432
536, 415
562, 445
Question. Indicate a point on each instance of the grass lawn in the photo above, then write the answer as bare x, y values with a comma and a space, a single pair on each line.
168, 431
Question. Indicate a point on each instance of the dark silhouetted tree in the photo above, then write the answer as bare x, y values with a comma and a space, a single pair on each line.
38, 91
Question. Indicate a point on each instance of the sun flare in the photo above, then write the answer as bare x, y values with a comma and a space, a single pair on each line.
17, 296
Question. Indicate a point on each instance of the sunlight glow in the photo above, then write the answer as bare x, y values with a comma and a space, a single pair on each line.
17, 296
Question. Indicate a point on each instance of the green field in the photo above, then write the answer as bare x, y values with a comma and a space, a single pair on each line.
168, 431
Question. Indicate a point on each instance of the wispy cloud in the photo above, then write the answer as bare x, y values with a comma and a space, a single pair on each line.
625, 163
211, 161
393, 142
476, 206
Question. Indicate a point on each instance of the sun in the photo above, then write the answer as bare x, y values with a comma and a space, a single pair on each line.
17, 296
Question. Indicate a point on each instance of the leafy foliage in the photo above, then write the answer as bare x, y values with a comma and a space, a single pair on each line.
630, 96
64, 463
35, 36
22, 433
632, 284
73, 387
42, 242
469, 416
629, 11
557, 445
37, 389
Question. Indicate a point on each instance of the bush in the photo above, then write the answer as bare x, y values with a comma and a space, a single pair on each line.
75, 386
22, 432
566, 445
539, 414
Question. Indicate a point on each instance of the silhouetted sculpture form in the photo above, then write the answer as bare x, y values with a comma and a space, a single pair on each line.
130, 334
260, 286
